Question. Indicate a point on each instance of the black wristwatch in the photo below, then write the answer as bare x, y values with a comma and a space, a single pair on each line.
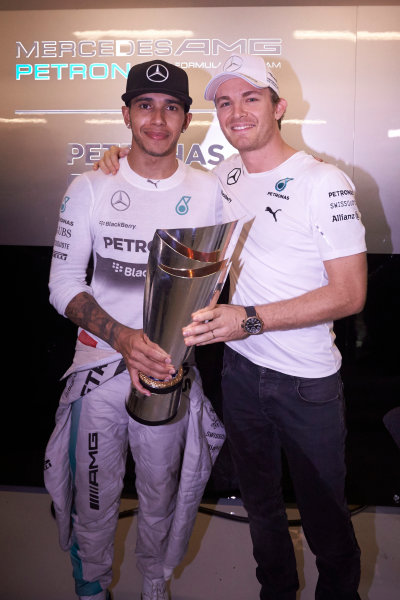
252, 325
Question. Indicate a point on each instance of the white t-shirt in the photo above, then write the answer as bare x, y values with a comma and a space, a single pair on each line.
115, 218
297, 215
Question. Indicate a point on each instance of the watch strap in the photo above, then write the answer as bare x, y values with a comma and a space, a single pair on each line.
250, 311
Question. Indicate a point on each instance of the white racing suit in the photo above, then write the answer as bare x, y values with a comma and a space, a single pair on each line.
85, 466
113, 220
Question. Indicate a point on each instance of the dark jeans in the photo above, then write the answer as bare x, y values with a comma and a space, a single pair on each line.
266, 412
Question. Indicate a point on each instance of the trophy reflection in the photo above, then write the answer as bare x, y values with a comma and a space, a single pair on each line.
186, 271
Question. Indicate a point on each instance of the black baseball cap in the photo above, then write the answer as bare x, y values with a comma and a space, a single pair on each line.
159, 77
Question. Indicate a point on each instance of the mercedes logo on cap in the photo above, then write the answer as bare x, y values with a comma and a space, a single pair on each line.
157, 73
233, 63
120, 200
233, 176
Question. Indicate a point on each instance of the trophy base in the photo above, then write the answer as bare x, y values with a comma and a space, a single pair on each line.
157, 409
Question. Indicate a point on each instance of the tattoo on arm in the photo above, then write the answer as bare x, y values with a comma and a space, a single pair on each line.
84, 311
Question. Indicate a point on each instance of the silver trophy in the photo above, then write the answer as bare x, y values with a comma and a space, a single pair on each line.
186, 271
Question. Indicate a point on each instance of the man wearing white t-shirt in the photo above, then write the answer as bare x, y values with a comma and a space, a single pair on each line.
299, 265
113, 220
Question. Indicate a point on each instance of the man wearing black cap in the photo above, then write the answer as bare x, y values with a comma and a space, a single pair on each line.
113, 219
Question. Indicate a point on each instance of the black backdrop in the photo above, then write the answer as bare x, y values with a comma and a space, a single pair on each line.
38, 347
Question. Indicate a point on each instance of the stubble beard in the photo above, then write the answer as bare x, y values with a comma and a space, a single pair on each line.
171, 149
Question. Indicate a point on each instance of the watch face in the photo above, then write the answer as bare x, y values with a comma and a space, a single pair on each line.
253, 325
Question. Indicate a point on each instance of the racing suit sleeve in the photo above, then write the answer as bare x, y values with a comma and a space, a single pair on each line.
72, 245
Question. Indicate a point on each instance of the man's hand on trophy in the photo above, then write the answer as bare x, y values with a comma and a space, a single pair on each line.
109, 163
219, 324
140, 354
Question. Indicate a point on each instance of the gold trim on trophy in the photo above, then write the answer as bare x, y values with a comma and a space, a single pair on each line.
157, 384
